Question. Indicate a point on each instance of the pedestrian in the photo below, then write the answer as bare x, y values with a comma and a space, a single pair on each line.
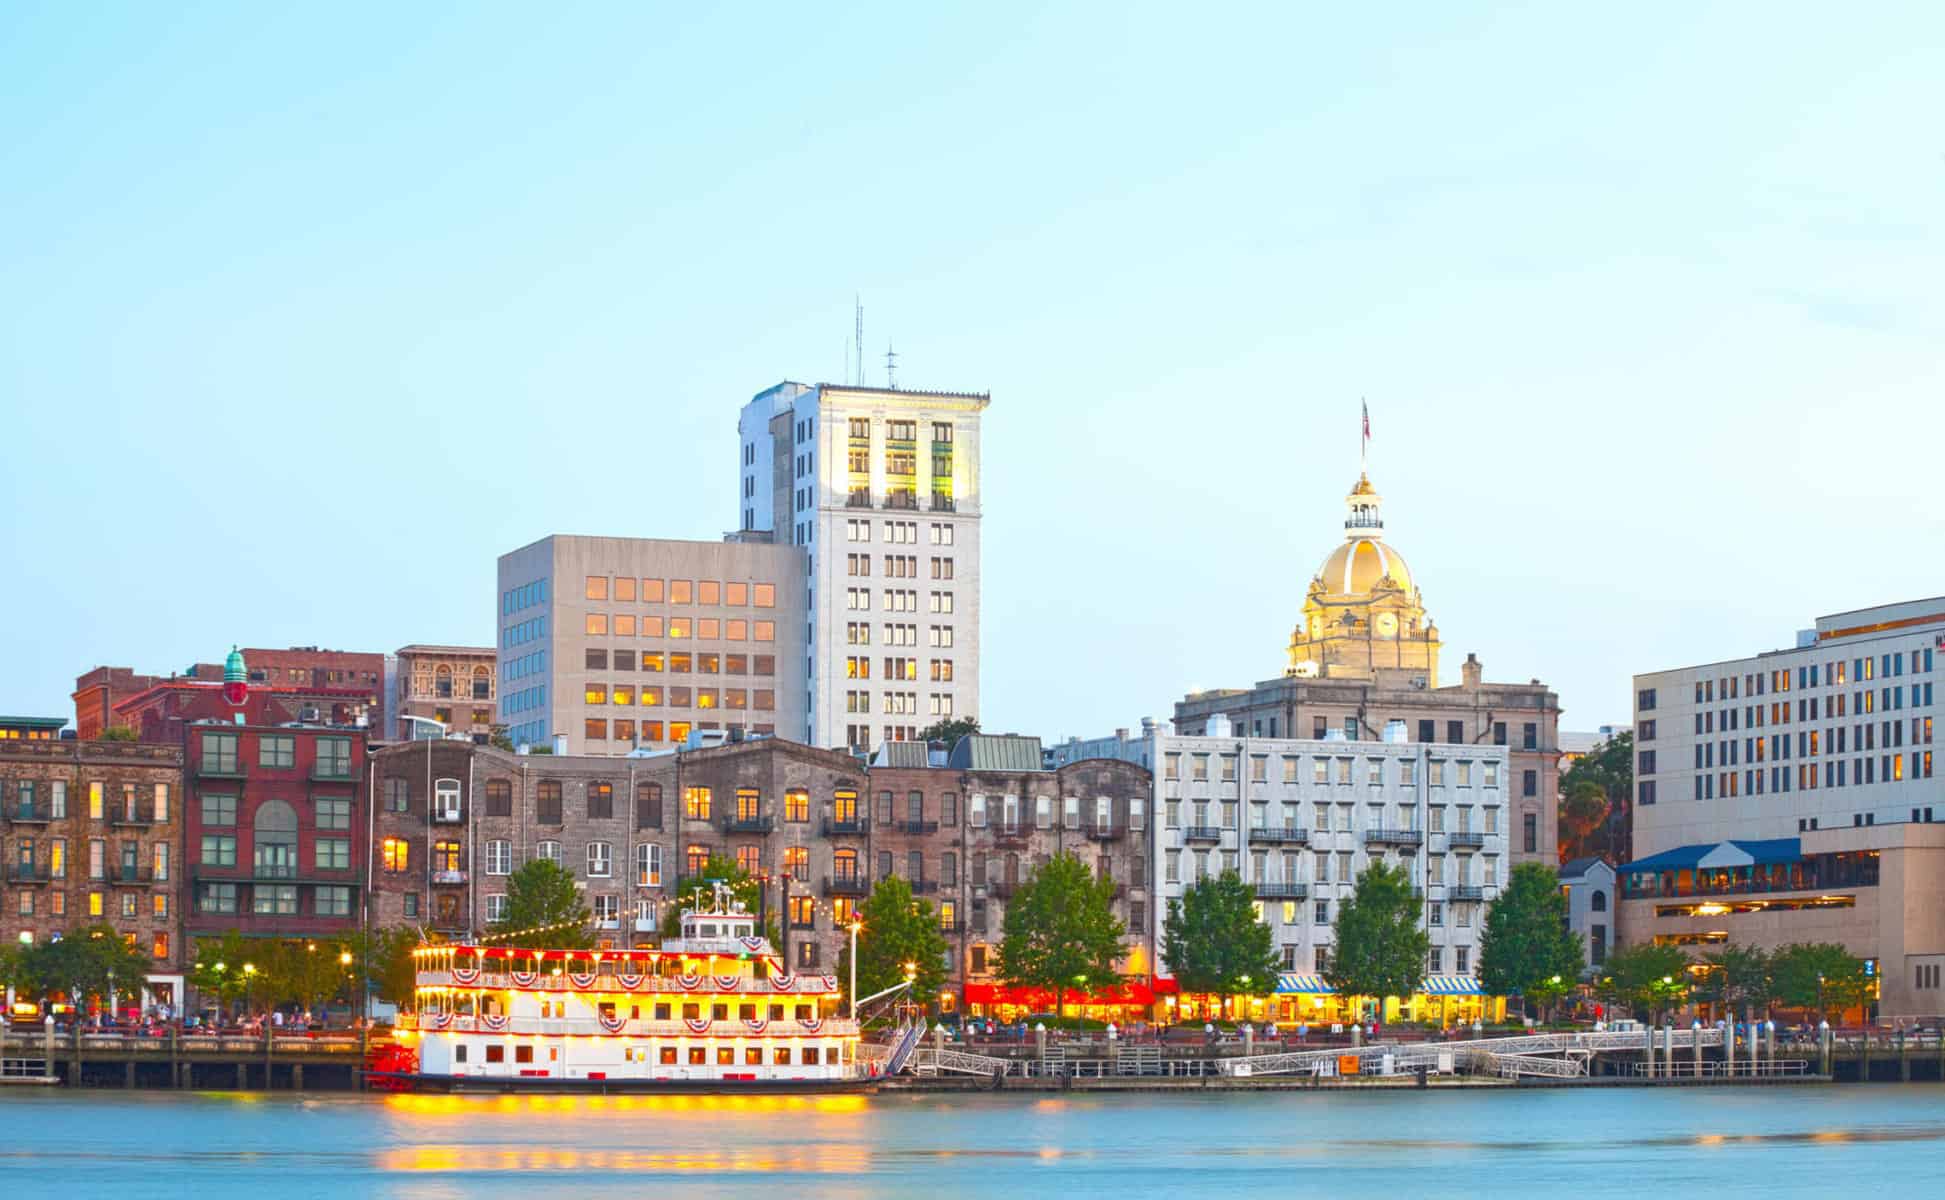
1303, 1032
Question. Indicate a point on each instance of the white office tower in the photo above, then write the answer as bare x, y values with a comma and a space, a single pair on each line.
881, 488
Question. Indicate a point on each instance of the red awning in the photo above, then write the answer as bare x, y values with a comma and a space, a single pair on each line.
1133, 994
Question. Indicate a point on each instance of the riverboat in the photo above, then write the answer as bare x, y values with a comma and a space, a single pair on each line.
714, 1010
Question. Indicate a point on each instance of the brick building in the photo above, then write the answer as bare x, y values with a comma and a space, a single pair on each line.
97, 692
92, 834
455, 819
31, 729
327, 686
275, 829
452, 685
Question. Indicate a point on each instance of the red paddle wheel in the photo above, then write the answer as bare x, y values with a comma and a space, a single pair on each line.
392, 1060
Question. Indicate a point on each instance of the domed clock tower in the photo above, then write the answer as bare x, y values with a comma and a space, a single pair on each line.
1362, 612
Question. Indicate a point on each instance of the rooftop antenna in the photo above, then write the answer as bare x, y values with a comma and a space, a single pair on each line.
858, 341
891, 367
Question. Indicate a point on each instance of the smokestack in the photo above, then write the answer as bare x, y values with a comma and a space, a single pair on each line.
1471, 671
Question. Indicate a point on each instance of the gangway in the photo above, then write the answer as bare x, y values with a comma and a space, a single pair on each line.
1508, 1055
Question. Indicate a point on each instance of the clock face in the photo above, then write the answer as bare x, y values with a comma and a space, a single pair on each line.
1387, 625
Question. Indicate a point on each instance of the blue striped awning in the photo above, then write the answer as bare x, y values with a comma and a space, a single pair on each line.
1289, 984
1450, 985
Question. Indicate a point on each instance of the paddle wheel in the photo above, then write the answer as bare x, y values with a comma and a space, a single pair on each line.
387, 1065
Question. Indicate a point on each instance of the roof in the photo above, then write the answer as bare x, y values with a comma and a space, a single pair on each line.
997, 752
1577, 868
33, 722
1752, 852
473, 651
902, 755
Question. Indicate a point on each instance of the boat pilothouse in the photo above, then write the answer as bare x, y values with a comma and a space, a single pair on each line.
713, 1009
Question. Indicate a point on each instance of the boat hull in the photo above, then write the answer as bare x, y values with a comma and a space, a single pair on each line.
486, 1085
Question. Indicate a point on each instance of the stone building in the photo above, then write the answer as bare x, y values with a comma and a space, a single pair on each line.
1365, 653
452, 685
818, 826
93, 834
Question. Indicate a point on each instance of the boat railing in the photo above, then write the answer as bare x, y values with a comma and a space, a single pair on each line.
432, 1024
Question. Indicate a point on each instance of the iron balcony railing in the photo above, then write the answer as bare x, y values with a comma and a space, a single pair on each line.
1277, 890
846, 885
853, 827
1202, 833
918, 827
1464, 891
1278, 834
28, 814
1465, 840
141, 816
1106, 833
1395, 837
757, 824
20, 872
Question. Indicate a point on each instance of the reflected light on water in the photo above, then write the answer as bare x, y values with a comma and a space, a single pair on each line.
706, 1107
505, 1160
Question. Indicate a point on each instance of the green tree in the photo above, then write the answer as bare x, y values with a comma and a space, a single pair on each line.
1647, 978
1525, 948
217, 973
898, 929
1609, 767
1380, 948
499, 740
544, 910
120, 733
1213, 941
1060, 930
1819, 975
949, 730
311, 972
1583, 818
93, 961
1740, 977
387, 954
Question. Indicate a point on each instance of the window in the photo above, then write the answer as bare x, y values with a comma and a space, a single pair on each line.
219, 756
499, 798
499, 857
334, 902
276, 750
601, 800
333, 758
1530, 832
210, 897
600, 860
696, 803
551, 851
648, 865
332, 854
278, 900
219, 810
648, 806
547, 802
395, 855
398, 795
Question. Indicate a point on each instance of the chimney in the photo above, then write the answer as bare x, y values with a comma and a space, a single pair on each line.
1121, 735
1471, 670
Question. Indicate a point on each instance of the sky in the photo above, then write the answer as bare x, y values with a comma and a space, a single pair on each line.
309, 313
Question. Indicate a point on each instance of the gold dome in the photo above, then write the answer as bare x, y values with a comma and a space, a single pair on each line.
1360, 564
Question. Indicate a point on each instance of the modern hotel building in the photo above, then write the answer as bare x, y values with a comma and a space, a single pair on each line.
1791, 796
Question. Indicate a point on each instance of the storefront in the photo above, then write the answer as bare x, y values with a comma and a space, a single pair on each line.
1133, 1000
1442, 1000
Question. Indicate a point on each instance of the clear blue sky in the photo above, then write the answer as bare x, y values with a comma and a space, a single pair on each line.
305, 316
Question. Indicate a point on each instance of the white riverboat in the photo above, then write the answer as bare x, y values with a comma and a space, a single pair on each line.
713, 1010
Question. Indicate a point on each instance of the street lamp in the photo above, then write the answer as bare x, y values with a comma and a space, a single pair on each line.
1821, 1015
855, 926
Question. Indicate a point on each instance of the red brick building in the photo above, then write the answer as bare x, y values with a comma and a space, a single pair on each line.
275, 829
328, 686
98, 692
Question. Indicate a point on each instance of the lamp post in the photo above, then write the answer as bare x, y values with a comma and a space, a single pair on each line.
1821, 1015
855, 926
344, 960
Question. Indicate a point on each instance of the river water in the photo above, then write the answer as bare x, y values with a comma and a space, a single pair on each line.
1810, 1140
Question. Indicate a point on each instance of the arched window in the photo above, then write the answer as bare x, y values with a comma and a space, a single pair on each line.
844, 864
1599, 901
442, 682
482, 683
274, 836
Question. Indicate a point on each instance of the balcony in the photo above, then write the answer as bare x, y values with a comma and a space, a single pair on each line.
448, 815
1002, 888
644, 925
851, 827
752, 825
859, 498
1465, 841
1394, 837
28, 873
1268, 890
274, 871
608, 923
918, 827
1465, 891
219, 768
27, 814
129, 875
141, 816
944, 503
902, 499
1202, 833
1278, 835
1011, 835
332, 773
846, 885
954, 926
1106, 833
925, 887
449, 875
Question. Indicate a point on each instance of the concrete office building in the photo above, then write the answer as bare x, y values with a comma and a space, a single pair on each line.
1365, 653
1790, 796
1300, 819
609, 644
881, 490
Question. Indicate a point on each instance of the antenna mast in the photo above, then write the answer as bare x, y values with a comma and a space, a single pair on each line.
891, 367
858, 342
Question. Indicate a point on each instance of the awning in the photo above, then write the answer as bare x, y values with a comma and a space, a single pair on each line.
1290, 984
1449, 985
1134, 994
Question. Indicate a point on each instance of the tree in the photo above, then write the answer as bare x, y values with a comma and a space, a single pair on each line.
1646, 977
1060, 931
1213, 941
94, 961
1583, 814
387, 954
499, 740
1609, 766
310, 972
1740, 976
1525, 948
1379, 947
218, 970
544, 910
898, 929
120, 733
1819, 975
949, 730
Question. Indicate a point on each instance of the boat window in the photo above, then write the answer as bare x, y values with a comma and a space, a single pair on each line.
496, 1054
776, 1012
719, 1012
725, 1056
698, 1057
668, 1056
782, 1058
810, 1056
661, 1012
692, 1012
751, 1057
523, 1054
